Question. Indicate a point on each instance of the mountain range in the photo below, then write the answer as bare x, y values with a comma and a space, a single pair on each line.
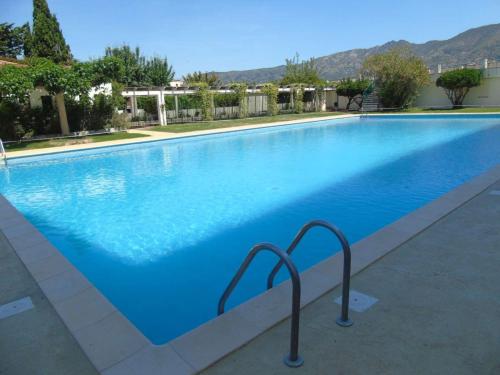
469, 47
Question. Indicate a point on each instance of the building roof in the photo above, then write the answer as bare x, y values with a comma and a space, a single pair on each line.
8, 61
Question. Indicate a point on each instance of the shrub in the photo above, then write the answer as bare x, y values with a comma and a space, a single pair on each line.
89, 115
101, 112
398, 75
226, 100
148, 104
118, 121
457, 83
10, 127
18, 120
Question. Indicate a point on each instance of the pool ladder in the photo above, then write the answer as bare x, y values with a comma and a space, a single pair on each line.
3, 154
292, 359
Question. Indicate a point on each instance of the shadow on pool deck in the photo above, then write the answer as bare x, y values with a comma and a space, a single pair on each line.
438, 310
35, 341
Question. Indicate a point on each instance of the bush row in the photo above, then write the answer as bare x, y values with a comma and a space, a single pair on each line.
18, 121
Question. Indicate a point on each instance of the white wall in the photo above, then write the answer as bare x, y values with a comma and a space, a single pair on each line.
36, 97
105, 89
488, 94
330, 99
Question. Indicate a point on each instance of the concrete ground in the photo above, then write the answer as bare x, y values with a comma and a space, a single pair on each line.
438, 310
35, 341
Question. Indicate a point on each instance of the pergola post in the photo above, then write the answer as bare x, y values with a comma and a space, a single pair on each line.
160, 102
322, 103
63, 118
133, 105
176, 101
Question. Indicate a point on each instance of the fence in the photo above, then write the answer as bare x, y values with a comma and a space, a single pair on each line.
181, 105
487, 65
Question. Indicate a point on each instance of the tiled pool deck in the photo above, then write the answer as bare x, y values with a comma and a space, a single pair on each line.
114, 346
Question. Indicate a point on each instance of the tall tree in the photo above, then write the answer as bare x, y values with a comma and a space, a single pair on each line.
211, 79
139, 70
27, 40
133, 64
158, 72
11, 40
48, 40
305, 72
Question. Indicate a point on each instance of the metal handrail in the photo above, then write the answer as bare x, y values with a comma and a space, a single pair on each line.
343, 320
292, 359
3, 154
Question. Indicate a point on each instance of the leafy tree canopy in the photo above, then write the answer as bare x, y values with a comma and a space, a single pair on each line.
457, 83
304, 72
76, 80
132, 61
139, 70
398, 75
352, 89
15, 83
211, 79
12, 39
158, 72
47, 40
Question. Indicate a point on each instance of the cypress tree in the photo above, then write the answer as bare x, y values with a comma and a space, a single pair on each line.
27, 40
47, 38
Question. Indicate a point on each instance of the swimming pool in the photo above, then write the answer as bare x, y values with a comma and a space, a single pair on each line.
160, 228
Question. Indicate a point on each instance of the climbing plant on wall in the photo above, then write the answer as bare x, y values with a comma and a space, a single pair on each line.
241, 91
319, 97
206, 98
298, 98
271, 91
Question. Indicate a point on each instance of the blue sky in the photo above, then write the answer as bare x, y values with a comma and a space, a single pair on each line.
225, 35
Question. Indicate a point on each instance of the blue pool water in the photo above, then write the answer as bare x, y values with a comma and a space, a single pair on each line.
161, 227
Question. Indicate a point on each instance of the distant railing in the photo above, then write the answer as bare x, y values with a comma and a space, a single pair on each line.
485, 65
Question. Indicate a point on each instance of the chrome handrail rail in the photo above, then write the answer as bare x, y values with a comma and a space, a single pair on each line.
3, 153
343, 320
292, 359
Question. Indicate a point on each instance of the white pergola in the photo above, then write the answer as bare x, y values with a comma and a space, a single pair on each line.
161, 92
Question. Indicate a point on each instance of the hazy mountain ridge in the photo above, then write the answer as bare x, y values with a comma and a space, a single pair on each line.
471, 46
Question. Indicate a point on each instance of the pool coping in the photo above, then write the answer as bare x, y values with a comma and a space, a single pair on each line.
115, 346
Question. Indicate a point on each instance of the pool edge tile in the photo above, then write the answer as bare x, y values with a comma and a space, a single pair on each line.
200, 349
162, 360
83, 309
110, 340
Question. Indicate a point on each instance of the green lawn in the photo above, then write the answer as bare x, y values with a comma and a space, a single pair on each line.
31, 145
205, 125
